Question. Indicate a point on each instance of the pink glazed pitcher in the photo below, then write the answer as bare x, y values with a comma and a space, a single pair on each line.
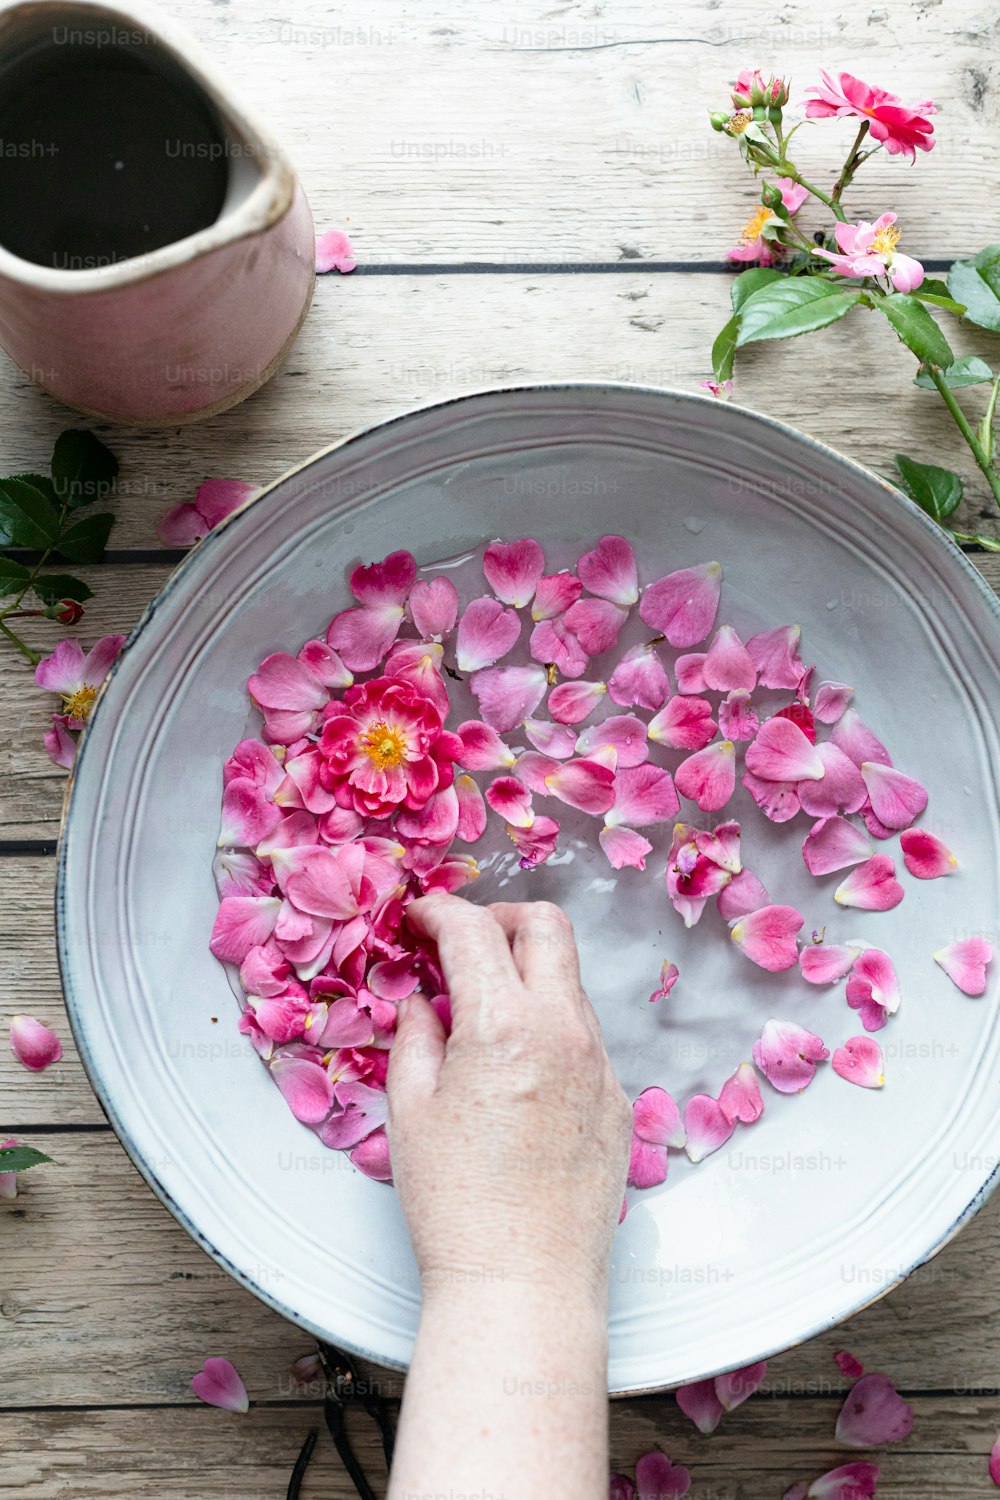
157, 253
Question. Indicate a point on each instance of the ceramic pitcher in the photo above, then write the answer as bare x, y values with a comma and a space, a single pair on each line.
156, 249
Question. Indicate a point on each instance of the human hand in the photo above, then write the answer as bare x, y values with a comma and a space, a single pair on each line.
510, 1137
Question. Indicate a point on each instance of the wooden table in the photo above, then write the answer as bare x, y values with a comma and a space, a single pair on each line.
532, 193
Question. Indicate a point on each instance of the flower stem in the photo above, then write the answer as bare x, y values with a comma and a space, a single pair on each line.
774, 160
850, 166
962, 423
16, 640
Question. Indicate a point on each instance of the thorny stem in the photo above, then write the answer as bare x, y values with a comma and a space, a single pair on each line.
962, 423
851, 165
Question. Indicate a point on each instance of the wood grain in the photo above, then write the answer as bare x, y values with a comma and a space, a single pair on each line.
373, 347
761, 1449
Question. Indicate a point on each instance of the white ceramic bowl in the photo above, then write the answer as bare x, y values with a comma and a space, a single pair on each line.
833, 1196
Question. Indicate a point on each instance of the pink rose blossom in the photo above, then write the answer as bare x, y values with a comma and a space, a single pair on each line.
902, 130
870, 250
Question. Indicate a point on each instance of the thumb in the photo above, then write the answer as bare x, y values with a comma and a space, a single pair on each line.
416, 1055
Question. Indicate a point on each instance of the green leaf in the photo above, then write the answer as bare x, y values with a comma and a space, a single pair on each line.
748, 282
916, 328
937, 491
27, 516
86, 540
20, 1158
791, 307
936, 292
724, 350
52, 587
83, 470
969, 370
13, 577
976, 282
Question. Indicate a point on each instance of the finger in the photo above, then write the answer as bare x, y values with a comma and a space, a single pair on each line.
416, 1056
542, 944
476, 960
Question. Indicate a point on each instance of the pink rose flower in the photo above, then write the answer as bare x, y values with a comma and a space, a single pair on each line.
902, 129
870, 250
384, 747
753, 246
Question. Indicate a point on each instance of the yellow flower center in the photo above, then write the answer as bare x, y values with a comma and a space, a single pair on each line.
739, 121
79, 704
383, 745
886, 240
752, 227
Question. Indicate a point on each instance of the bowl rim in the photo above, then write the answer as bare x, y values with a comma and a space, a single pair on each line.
211, 542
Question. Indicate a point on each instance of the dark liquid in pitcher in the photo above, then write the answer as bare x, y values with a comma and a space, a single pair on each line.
106, 152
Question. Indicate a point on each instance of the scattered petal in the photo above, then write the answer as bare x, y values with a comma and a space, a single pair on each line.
706, 1126
624, 847
701, 1404
834, 844
640, 679
768, 936
832, 701
848, 1365
482, 748
624, 731
513, 570
873, 988
555, 740
669, 975
434, 607
874, 1413
841, 790
587, 784
597, 623
683, 724
743, 894
775, 655
572, 702
925, 856
788, 1055
690, 672
554, 594
486, 632
34, 1045
858, 742
508, 695
737, 717
553, 642
860, 1061
609, 571
334, 252
827, 963
895, 799
656, 1478
740, 1098
682, 606
218, 1384
872, 886
739, 1385
966, 962
777, 800
709, 776
643, 795
781, 752
727, 667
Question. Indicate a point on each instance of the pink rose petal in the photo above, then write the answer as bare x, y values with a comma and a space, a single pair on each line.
305, 1085
363, 636
768, 937
995, 1463
848, 1482
656, 1118
555, 740
827, 963
482, 748
740, 1098
643, 795
777, 800
874, 1413
706, 1126
841, 790
334, 252
34, 1045
610, 572
700, 1403
572, 702
508, 695
781, 752
860, 1061
858, 742
513, 569
656, 1478
554, 594
721, 845
625, 849
775, 655
471, 810
787, 1055
669, 975
872, 886
728, 667
218, 1384
532, 768
832, 701
552, 642
925, 856
683, 724
242, 923
386, 582
737, 717
624, 731
848, 1365
597, 623
434, 607
512, 800
587, 784
739, 1385
620, 1487
966, 962
640, 679
873, 988
709, 776
486, 632
895, 799
834, 844
371, 1156
742, 895
682, 606
690, 672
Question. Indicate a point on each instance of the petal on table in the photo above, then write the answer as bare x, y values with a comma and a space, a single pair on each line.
896, 799
218, 1384
709, 776
827, 963
860, 1061
834, 844
781, 752
706, 1126
727, 667
768, 937
656, 1478
966, 962
874, 1413
925, 856
740, 1097
872, 886
35, 1046
701, 1404
739, 1385
684, 723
